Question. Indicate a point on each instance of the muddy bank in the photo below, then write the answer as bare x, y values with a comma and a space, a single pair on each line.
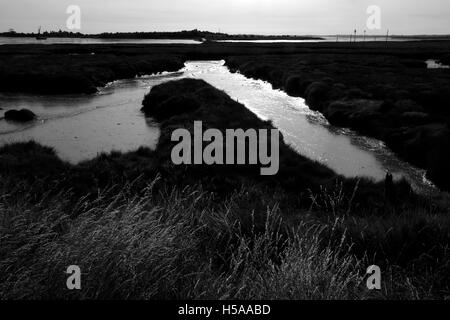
394, 99
178, 104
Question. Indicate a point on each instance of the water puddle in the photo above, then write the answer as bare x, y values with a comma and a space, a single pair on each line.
435, 64
81, 127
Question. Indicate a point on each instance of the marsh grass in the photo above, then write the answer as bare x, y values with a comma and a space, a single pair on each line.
183, 244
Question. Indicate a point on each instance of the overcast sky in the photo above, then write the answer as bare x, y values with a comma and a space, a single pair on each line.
232, 16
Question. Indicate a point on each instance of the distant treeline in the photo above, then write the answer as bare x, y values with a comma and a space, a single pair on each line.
191, 34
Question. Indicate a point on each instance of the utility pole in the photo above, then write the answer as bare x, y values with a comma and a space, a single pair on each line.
355, 36
364, 39
387, 36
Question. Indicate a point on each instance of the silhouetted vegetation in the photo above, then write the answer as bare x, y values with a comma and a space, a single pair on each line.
143, 228
185, 34
76, 73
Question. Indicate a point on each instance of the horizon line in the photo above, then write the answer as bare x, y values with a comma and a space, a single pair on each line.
242, 34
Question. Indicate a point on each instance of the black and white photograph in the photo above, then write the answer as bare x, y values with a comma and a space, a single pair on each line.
254, 151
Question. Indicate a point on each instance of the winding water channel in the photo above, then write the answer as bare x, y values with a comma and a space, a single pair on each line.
82, 126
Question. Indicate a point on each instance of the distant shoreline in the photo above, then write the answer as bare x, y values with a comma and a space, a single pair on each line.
207, 35
181, 35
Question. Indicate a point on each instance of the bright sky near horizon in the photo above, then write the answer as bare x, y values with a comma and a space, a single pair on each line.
231, 16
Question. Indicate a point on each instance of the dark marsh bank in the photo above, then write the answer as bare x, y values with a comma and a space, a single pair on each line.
146, 229
75, 73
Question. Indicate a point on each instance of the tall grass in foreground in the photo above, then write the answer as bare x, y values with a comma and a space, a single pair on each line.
183, 244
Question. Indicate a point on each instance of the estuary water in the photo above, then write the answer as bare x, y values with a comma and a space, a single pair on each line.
82, 126
340, 38
30, 40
